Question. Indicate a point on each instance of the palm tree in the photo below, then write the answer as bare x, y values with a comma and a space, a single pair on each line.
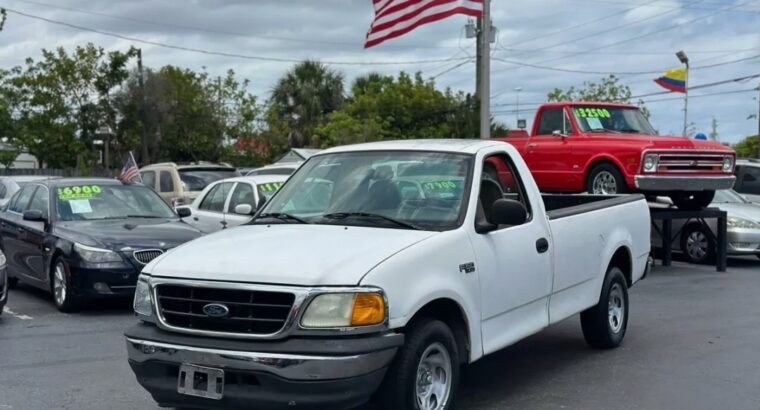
303, 98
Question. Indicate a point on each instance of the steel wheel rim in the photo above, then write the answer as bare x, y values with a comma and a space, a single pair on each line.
433, 381
616, 308
604, 183
59, 284
696, 245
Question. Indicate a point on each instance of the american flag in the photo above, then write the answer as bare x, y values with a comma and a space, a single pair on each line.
394, 18
129, 171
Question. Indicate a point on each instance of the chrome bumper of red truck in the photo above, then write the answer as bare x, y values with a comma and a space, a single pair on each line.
683, 183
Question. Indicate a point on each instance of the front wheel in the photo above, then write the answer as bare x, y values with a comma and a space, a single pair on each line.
692, 201
60, 285
696, 244
605, 179
604, 325
425, 372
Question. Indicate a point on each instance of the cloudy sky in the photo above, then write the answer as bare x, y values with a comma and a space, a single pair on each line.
551, 39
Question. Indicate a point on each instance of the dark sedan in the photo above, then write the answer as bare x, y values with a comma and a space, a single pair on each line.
81, 238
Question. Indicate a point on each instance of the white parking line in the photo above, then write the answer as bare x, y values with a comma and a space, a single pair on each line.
16, 315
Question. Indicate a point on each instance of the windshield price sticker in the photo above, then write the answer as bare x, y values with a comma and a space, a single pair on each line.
592, 113
440, 185
271, 186
79, 192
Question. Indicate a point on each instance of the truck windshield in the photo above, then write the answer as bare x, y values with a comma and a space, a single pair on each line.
616, 120
94, 201
389, 189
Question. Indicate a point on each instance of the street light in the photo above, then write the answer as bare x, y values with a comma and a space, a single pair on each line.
684, 59
517, 104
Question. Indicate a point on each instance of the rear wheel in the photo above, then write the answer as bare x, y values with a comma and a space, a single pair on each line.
692, 201
425, 372
604, 325
606, 179
696, 244
60, 285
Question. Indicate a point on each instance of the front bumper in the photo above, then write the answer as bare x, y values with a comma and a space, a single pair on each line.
3, 288
91, 281
742, 241
683, 183
337, 373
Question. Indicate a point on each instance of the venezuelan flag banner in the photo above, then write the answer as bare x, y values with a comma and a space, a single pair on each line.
673, 80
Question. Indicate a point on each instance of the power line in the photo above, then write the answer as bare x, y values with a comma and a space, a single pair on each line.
568, 70
227, 54
666, 5
631, 53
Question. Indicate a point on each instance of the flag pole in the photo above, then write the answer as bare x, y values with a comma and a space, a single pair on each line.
485, 73
686, 101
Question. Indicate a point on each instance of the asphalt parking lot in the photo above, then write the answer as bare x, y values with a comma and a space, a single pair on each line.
693, 342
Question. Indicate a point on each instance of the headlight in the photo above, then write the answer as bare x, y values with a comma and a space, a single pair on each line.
650, 162
734, 222
332, 310
2, 260
96, 255
143, 302
728, 164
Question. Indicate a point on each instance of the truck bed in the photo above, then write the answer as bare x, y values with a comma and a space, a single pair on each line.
560, 206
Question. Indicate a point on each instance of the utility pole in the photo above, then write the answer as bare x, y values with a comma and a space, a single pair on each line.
141, 83
685, 60
478, 58
485, 72
758, 120
714, 131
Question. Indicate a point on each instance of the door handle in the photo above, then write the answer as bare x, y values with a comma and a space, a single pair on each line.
542, 245
533, 145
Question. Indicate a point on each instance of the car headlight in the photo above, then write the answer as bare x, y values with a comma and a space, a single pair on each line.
96, 255
650, 162
728, 164
2, 260
735, 222
331, 310
143, 303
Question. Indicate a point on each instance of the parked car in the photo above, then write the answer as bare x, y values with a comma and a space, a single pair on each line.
230, 202
316, 304
181, 184
606, 148
748, 179
86, 237
275, 169
3, 282
743, 230
9, 185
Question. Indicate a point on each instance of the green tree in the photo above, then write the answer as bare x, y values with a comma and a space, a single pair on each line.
608, 89
303, 98
747, 148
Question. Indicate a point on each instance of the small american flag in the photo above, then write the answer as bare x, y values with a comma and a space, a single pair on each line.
129, 171
394, 18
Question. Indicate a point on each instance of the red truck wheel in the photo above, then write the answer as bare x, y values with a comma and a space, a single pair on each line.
605, 179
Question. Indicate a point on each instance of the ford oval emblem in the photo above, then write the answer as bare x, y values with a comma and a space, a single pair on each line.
216, 310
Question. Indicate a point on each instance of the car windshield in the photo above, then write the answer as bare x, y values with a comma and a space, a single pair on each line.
268, 189
613, 119
198, 179
391, 189
729, 196
95, 201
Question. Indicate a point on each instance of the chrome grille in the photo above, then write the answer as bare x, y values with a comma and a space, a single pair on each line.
147, 255
252, 312
681, 162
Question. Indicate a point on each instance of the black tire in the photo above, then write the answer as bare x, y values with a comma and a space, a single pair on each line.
597, 322
696, 244
605, 179
67, 302
12, 282
692, 201
399, 388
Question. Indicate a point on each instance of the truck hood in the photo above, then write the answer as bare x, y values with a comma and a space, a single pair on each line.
665, 142
293, 254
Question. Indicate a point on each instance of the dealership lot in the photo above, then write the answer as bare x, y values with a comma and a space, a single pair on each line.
692, 343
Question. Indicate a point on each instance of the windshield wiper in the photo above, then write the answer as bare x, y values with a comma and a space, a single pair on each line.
344, 215
145, 216
604, 130
282, 216
630, 130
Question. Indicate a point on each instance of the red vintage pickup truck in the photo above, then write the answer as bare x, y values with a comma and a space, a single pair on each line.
608, 148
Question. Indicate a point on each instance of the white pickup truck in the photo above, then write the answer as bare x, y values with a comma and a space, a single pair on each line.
375, 272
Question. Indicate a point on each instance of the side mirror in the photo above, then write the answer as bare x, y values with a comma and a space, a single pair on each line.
508, 212
34, 215
558, 133
243, 209
184, 212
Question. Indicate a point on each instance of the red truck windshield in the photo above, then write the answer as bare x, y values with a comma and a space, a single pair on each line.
614, 120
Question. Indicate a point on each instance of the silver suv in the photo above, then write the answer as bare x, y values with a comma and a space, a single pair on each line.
748, 179
180, 184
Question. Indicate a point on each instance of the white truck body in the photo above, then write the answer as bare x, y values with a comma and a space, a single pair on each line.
505, 288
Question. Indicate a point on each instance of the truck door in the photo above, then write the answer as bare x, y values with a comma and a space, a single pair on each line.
547, 154
513, 262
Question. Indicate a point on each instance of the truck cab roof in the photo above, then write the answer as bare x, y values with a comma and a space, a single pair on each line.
465, 146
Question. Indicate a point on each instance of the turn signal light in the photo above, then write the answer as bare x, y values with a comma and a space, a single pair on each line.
369, 309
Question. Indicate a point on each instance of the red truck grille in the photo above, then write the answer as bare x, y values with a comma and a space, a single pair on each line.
677, 162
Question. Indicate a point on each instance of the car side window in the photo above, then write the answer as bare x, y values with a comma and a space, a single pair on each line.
3, 190
750, 183
149, 178
500, 180
21, 200
551, 120
214, 200
166, 182
40, 200
243, 194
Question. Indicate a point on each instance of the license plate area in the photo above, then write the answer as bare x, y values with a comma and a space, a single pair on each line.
200, 381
